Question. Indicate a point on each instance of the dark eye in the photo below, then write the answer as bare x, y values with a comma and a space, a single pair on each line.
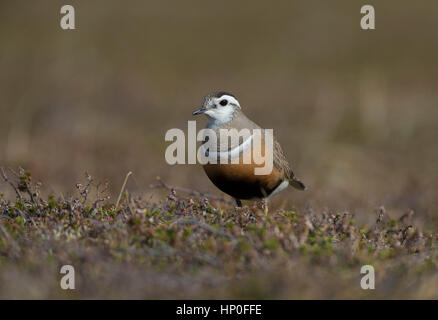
223, 102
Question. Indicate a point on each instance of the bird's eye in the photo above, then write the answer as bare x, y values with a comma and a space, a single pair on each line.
223, 102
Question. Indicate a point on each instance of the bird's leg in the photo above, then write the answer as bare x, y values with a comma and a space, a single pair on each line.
238, 203
265, 205
264, 201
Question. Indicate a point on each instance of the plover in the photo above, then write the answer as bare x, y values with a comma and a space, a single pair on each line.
239, 180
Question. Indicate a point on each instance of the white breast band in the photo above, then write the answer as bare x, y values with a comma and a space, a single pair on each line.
228, 154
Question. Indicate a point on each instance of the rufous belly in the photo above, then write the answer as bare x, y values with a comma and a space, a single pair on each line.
240, 182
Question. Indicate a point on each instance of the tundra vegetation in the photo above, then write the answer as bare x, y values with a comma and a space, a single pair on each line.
187, 246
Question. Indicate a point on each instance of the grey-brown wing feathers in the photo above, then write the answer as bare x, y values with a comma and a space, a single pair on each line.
281, 164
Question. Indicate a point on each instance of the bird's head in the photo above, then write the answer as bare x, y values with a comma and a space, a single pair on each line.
219, 107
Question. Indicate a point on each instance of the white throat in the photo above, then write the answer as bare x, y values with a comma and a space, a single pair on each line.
219, 117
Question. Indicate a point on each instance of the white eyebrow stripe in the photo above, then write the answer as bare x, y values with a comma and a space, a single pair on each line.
229, 154
230, 99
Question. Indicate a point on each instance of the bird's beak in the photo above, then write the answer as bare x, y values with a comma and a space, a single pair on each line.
199, 111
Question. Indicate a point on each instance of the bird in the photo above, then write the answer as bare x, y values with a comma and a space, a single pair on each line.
223, 111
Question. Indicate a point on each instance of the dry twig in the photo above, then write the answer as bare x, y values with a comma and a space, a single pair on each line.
6, 179
123, 189
163, 185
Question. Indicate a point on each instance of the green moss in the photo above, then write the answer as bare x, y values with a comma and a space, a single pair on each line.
19, 220
187, 233
271, 244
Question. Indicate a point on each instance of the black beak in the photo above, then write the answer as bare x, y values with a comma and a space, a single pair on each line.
199, 111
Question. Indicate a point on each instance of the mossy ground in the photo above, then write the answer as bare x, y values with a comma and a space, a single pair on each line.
182, 247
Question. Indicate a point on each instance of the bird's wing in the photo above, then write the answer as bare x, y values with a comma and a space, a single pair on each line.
281, 164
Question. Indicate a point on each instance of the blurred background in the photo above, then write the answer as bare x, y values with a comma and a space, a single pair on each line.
355, 111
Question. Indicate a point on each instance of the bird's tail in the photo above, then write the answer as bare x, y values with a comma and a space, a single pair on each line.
297, 184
